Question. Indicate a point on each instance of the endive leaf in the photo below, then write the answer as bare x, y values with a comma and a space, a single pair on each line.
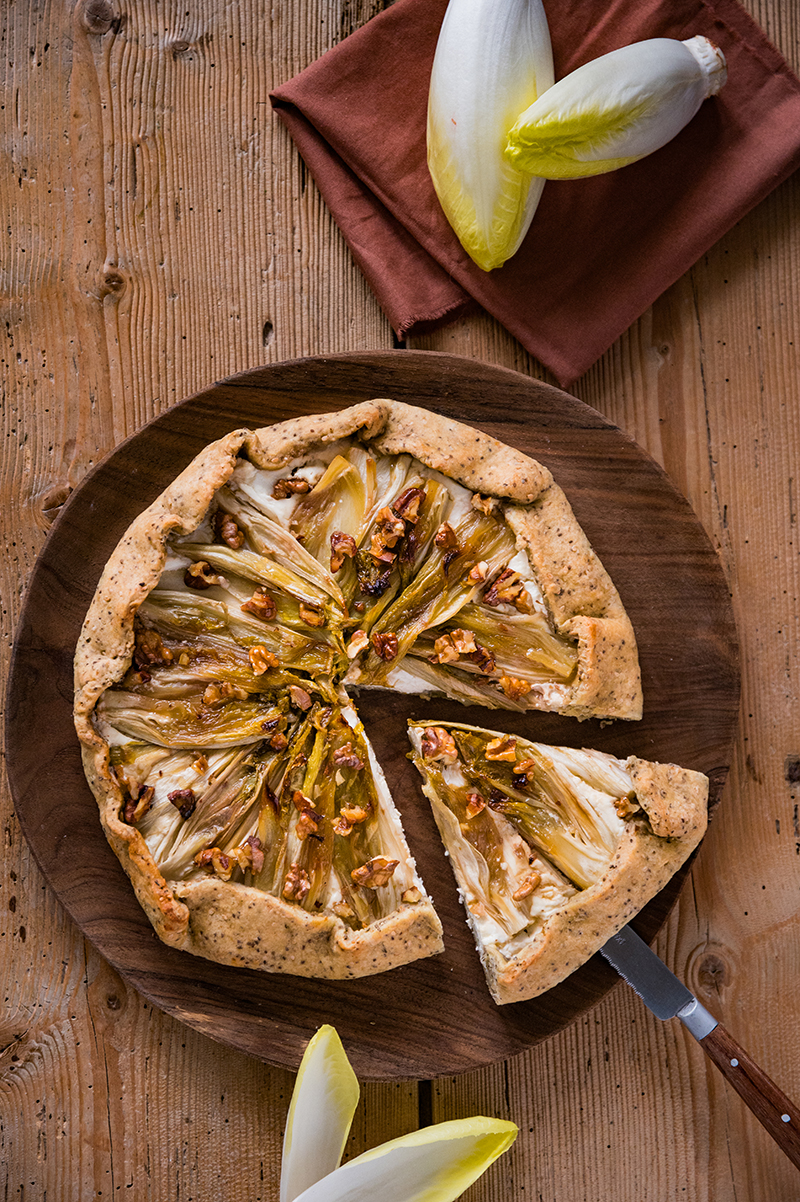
492, 61
323, 1104
435, 1164
616, 109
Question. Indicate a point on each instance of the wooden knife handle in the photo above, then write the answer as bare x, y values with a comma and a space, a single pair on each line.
770, 1106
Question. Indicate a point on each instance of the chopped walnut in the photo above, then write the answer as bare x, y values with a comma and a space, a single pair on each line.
475, 803
514, 688
307, 824
484, 504
350, 816
343, 910
227, 530
262, 660
385, 646
502, 748
300, 698
296, 884
279, 742
200, 765
529, 882
346, 757
250, 854
184, 801
407, 504
411, 896
220, 863
524, 767
484, 659
375, 873
479, 573
290, 486
149, 649
358, 642
509, 589
390, 526
136, 807
261, 605
218, 692
343, 546
438, 744
626, 806
445, 538
464, 641
379, 550
445, 651
201, 575
312, 615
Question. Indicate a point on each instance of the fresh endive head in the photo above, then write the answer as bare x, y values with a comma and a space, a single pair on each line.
616, 109
435, 1164
493, 59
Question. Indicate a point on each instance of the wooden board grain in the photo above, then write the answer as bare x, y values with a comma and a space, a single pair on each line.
433, 1017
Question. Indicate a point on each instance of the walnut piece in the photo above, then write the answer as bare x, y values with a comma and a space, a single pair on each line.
227, 530
201, 575
290, 486
445, 538
390, 527
514, 688
312, 615
184, 801
529, 882
438, 744
358, 642
296, 884
343, 546
349, 816
250, 854
484, 504
375, 873
300, 698
262, 660
220, 863
502, 748
475, 803
407, 504
136, 806
411, 896
218, 692
346, 757
149, 649
261, 605
444, 650
385, 645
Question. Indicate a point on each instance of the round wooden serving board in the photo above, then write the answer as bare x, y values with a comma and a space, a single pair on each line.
433, 1017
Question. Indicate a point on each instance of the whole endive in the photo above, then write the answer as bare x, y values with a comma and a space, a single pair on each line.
616, 109
435, 1164
493, 59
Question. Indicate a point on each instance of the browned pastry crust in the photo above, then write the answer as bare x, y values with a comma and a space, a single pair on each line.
236, 924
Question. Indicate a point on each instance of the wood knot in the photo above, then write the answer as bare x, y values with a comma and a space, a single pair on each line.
713, 973
97, 16
791, 768
113, 1002
180, 47
112, 282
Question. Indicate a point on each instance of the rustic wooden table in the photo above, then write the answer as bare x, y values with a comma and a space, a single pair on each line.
162, 233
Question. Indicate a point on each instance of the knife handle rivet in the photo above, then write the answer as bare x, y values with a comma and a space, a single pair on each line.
786, 1118
735, 1063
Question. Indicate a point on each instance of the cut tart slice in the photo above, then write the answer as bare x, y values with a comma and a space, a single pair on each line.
382, 546
554, 849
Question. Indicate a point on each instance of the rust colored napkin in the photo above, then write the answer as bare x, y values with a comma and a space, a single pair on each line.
599, 251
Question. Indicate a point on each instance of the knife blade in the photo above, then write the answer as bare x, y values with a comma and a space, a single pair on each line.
667, 997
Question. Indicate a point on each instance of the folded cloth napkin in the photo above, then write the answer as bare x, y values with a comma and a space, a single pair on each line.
600, 250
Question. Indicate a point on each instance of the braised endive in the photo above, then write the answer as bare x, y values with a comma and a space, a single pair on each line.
492, 61
616, 109
435, 1164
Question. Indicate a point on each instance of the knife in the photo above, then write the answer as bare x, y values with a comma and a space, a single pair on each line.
668, 997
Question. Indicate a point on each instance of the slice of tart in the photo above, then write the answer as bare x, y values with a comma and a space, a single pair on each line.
554, 849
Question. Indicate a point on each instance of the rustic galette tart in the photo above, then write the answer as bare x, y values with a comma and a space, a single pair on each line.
284, 570
553, 849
